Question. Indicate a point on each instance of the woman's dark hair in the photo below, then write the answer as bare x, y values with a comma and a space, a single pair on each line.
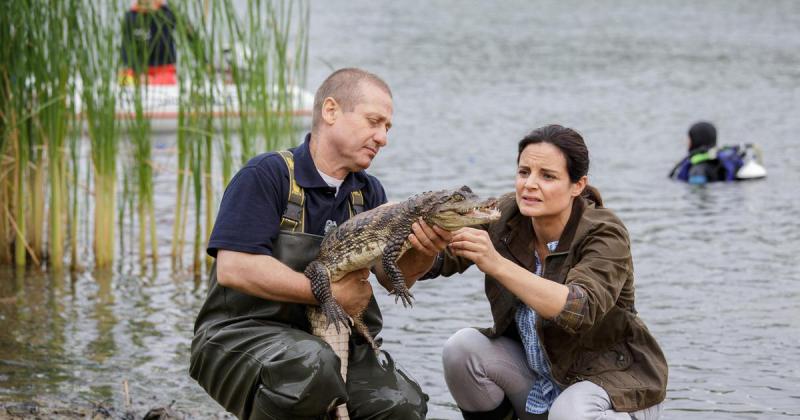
572, 146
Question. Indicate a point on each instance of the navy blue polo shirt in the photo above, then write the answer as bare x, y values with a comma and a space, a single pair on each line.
250, 213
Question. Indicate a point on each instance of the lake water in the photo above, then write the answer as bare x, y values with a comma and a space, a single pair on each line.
717, 271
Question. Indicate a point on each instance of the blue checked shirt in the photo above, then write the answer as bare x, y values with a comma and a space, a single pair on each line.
544, 390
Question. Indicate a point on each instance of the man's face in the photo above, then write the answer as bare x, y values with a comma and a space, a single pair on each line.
362, 132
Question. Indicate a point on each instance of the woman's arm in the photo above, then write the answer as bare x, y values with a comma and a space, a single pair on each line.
598, 277
591, 289
546, 297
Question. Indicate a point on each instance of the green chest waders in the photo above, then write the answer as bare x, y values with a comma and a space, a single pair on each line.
293, 247
240, 354
297, 249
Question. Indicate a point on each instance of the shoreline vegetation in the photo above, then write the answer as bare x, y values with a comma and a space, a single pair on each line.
77, 181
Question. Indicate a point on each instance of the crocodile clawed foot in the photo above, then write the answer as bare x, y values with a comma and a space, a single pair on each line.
335, 314
403, 294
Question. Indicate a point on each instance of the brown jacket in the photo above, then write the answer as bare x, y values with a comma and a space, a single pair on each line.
597, 336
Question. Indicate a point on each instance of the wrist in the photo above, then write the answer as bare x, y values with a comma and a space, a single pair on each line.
416, 262
495, 266
435, 268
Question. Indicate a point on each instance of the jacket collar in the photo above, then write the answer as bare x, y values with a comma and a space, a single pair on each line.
519, 238
568, 235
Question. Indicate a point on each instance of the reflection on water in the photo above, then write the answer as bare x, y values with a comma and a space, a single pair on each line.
717, 274
73, 340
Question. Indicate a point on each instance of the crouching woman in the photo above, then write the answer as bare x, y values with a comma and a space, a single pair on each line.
567, 341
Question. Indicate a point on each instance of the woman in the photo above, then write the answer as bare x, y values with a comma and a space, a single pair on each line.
559, 278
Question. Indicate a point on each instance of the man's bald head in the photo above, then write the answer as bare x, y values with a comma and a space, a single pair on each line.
345, 87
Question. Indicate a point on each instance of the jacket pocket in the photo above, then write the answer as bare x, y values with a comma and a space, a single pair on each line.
622, 379
590, 363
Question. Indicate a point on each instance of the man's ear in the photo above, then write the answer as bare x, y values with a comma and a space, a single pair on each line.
578, 186
330, 110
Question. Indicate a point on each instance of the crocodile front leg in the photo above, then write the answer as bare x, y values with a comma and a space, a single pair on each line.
321, 288
391, 253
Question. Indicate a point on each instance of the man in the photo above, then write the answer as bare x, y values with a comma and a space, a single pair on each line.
702, 165
148, 45
252, 349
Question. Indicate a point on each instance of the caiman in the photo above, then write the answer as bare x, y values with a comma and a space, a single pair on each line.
381, 235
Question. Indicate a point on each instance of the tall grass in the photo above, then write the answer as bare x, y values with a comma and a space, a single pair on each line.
59, 64
52, 120
38, 79
38, 36
99, 100
11, 33
74, 193
244, 49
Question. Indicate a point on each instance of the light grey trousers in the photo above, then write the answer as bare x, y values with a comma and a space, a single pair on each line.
480, 372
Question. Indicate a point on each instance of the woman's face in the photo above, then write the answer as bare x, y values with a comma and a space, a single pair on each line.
543, 186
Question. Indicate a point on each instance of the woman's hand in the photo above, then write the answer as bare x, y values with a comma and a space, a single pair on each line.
476, 246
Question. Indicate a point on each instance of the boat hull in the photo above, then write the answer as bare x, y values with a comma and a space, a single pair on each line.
161, 103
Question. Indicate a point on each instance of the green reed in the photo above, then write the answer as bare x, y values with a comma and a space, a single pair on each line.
178, 226
74, 193
9, 105
196, 130
59, 64
38, 75
17, 105
224, 45
140, 133
54, 118
99, 99
36, 186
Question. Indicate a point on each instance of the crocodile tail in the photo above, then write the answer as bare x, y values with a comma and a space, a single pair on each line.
361, 327
339, 342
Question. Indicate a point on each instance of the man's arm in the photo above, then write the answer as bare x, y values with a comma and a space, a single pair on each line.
265, 277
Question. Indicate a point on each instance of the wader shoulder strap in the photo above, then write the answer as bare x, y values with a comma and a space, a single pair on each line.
356, 203
294, 216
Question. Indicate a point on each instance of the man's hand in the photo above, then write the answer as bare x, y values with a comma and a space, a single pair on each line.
428, 240
353, 291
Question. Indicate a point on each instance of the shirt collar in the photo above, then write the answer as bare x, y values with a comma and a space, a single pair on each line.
306, 175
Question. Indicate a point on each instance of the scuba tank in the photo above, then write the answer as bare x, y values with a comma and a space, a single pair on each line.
752, 166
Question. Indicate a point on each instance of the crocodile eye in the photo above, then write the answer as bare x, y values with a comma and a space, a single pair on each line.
458, 197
